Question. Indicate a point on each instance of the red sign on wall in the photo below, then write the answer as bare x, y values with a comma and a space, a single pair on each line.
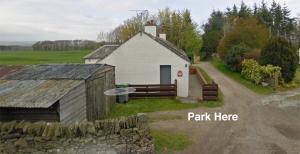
179, 73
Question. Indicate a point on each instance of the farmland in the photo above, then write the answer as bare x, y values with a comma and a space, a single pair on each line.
41, 57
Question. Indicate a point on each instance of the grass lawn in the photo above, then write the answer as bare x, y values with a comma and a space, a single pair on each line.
42, 57
168, 142
237, 77
152, 105
148, 105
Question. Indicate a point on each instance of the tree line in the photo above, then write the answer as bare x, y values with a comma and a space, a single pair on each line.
273, 20
178, 26
65, 45
264, 33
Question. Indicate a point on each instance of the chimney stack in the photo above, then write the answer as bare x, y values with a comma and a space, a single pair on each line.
150, 28
163, 36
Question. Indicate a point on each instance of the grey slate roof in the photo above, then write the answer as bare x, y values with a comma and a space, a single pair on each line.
102, 52
34, 93
56, 71
179, 52
106, 50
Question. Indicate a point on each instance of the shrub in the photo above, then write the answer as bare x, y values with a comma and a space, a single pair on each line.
279, 52
235, 56
268, 72
253, 54
251, 70
243, 30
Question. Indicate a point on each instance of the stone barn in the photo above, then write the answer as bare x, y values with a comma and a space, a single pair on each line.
60, 92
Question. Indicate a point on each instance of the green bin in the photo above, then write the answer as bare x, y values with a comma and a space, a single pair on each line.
122, 98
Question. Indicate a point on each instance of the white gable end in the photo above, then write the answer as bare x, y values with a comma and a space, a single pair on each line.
139, 59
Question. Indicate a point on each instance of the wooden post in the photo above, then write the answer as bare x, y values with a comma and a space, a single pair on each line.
275, 81
176, 86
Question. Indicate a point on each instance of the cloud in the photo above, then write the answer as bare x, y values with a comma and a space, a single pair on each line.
32, 20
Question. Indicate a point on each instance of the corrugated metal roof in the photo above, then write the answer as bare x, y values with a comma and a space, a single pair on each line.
34, 93
56, 71
102, 52
8, 69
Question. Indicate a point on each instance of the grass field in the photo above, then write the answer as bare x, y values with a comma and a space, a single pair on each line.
237, 77
152, 105
168, 142
42, 57
148, 105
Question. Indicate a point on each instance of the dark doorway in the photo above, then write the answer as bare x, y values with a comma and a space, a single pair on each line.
165, 74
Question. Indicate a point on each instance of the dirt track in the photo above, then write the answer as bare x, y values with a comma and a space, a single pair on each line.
265, 125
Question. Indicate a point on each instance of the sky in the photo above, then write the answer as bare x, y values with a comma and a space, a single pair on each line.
34, 20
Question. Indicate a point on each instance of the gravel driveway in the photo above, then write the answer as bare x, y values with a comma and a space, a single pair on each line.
266, 124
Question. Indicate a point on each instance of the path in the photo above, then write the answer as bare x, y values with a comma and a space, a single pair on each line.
195, 89
263, 126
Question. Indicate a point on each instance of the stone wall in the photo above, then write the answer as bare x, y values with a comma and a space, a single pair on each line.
124, 135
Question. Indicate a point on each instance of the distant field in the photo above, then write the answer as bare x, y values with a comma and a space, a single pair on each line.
42, 57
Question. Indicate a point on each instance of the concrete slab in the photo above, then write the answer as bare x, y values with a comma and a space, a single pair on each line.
195, 89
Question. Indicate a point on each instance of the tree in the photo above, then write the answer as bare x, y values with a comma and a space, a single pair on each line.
247, 31
245, 11
210, 43
235, 56
255, 9
279, 52
164, 18
178, 26
213, 32
191, 39
263, 15
277, 18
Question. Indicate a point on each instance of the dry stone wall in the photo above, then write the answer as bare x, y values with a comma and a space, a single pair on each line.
123, 135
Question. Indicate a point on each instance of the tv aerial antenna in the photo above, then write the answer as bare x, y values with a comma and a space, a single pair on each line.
141, 17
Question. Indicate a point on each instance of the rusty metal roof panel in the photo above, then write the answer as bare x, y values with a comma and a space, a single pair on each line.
34, 93
56, 71
8, 69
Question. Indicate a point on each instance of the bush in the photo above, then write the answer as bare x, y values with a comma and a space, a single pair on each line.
279, 52
243, 30
253, 54
251, 70
235, 56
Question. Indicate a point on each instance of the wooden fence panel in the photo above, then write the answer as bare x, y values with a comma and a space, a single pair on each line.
154, 90
209, 91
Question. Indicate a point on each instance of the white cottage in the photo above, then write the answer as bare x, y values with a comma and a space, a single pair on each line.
146, 59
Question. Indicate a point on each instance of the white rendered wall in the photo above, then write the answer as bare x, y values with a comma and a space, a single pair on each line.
138, 62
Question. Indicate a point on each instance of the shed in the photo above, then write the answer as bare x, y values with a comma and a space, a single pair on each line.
58, 92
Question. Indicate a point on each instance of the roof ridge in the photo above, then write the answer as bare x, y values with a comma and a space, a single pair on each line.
179, 52
170, 46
